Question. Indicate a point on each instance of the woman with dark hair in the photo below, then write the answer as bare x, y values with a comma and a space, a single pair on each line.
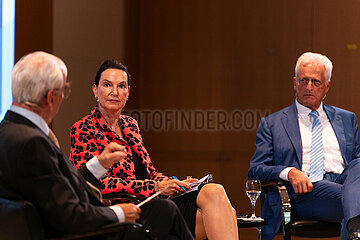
208, 211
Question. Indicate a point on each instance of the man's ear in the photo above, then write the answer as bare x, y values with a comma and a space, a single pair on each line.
294, 81
49, 98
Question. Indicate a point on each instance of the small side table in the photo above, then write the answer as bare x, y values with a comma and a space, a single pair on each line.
248, 224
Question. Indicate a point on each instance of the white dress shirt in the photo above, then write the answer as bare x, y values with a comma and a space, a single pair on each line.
93, 165
333, 160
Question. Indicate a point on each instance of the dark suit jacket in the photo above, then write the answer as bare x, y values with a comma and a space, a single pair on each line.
33, 168
278, 145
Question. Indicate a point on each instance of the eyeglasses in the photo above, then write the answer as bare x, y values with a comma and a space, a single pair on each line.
305, 82
67, 90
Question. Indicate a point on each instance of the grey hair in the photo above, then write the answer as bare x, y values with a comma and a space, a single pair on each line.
317, 58
34, 75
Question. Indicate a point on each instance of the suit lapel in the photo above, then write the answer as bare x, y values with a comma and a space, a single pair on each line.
291, 125
338, 126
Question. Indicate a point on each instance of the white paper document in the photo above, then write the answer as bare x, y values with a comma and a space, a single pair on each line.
194, 186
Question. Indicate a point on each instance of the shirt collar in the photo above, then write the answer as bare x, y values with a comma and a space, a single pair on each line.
304, 111
33, 117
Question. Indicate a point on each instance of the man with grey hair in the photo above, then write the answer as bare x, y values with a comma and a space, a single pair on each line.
34, 169
313, 147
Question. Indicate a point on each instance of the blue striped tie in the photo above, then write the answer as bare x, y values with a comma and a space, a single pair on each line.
317, 154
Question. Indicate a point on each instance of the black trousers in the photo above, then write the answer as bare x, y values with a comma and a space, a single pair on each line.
164, 220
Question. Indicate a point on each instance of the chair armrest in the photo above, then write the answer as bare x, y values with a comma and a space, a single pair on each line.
19, 219
285, 203
106, 230
107, 198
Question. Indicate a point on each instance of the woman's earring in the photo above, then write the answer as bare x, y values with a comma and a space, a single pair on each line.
96, 98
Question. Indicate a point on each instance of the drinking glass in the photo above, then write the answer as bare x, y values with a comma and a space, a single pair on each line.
253, 190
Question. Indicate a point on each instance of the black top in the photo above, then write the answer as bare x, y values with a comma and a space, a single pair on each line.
139, 166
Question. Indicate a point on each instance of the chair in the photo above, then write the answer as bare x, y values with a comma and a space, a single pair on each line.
303, 228
19, 220
111, 198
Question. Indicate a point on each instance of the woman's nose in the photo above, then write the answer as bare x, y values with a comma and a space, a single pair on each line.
115, 91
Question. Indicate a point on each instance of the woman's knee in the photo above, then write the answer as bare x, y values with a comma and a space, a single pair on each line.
212, 192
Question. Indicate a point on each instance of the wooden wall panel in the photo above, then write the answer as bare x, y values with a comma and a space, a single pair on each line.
85, 35
336, 34
218, 55
197, 56
33, 26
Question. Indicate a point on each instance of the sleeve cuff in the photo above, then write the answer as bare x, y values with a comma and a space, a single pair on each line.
95, 168
284, 174
119, 213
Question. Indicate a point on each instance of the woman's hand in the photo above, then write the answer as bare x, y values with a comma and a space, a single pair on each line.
173, 186
191, 180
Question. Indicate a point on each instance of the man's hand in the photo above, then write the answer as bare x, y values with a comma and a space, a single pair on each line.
131, 212
300, 182
112, 154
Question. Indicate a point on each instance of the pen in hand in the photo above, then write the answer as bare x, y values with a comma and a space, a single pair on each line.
173, 177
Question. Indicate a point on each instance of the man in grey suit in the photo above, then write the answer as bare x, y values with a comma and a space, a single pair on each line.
34, 169
315, 148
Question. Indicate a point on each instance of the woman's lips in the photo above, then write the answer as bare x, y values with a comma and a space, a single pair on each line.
113, 101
